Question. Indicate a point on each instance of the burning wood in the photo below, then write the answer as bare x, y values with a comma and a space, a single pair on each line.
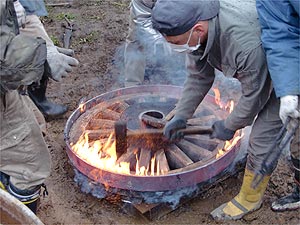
147, 153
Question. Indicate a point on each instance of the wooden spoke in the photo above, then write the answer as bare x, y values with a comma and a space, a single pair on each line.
129, 157
118, 107
144, 159
144, 142
177, 158
108, 114
162, 162
203, 141
96, 124
94, 135
195, 152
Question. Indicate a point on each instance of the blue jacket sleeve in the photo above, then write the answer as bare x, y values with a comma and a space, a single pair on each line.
281, 40
34, 7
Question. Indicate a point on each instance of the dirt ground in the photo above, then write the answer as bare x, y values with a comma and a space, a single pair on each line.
101, 28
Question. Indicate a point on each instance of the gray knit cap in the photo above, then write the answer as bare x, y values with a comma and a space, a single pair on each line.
175, 17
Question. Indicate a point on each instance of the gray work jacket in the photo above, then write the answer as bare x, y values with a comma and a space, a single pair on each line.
234, 47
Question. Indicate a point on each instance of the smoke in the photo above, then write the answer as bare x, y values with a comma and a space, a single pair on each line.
161, 65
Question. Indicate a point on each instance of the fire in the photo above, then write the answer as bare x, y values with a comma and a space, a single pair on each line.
104, 157
82, 107
229, 108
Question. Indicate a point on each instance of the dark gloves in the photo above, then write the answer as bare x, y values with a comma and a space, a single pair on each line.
221, 132
172, 126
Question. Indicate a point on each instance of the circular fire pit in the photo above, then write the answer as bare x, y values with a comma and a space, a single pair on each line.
158, 166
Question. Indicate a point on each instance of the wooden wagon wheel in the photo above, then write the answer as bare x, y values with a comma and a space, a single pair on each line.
191, 152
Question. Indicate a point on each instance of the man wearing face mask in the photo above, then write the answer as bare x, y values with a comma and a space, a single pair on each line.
224, 35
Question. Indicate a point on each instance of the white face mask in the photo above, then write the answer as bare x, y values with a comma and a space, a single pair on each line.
185, 48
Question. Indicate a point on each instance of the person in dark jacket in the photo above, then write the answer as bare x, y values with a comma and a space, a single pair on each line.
280, 23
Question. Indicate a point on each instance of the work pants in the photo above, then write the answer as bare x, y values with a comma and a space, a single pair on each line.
263, 134
24, 155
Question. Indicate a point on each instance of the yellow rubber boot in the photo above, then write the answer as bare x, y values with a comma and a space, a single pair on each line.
248, 200
4, 180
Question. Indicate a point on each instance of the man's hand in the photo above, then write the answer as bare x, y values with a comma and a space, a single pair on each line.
172, 126
221, 132
21, 14
60, 62
289, 107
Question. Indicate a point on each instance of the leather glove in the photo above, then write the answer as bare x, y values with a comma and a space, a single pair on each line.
21, 14
289, 107
171, 128
221, 132
60, 62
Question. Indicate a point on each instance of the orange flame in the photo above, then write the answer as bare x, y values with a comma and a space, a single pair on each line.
228, 106
104, 157
82, 107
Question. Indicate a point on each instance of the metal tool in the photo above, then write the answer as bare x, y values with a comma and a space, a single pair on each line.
69, 28
282, 139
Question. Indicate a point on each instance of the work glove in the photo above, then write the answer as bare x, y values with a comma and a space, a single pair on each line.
289, 107
171, 128
221, 132
21, 14
60, 61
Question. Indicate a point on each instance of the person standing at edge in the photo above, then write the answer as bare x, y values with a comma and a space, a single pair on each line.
140, 27
60, 60
224, 35
280, 25
25, 161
